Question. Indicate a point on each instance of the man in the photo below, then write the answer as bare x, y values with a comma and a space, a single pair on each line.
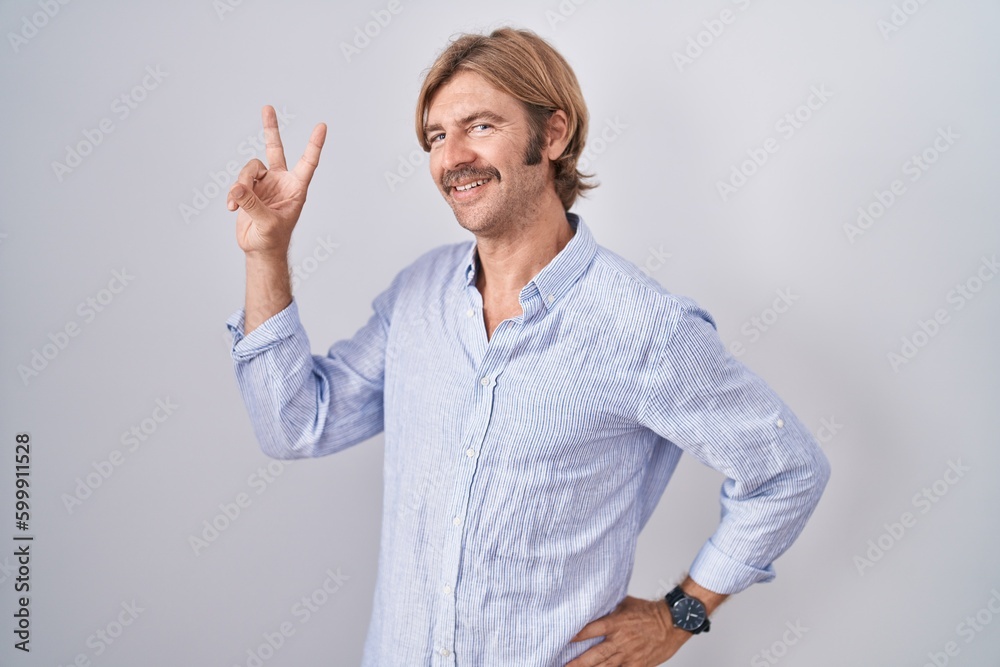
535, 389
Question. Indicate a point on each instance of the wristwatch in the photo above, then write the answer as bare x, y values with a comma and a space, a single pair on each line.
689, 613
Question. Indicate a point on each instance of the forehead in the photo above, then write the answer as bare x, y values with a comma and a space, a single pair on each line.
465, 93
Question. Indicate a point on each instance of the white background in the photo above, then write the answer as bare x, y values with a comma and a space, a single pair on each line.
682, 127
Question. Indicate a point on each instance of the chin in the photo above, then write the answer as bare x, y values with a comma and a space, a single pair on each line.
471, 223
471, 220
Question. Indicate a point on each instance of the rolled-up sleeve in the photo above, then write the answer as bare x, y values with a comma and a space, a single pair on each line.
305, 405
713, 407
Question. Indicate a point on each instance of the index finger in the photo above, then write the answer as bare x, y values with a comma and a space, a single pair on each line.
272, 140
310, 158
596, 628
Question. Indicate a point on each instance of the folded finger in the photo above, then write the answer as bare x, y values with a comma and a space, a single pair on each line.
252, 171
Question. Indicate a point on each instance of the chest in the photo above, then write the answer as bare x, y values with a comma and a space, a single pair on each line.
549, 383
496, 311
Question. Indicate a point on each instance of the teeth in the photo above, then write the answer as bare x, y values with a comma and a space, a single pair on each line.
463, 188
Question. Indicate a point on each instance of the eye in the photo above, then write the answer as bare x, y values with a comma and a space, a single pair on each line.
482, 125
434, 137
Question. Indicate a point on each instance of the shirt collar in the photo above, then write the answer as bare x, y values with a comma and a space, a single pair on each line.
559, 274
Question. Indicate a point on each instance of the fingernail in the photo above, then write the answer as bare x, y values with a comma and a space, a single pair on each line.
239, 191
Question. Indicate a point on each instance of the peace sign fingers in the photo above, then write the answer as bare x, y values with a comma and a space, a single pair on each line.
272, 140
307, 164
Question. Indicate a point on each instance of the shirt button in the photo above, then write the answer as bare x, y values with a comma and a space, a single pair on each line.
469, 313
470, 452
445, 652
447, 589
551, 298
457, 521
780, 422
485, 381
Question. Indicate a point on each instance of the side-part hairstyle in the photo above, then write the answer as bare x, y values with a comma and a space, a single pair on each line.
525, 66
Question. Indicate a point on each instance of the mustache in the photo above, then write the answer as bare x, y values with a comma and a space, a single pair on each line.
451, 178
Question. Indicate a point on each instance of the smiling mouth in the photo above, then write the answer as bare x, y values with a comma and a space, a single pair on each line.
471, 186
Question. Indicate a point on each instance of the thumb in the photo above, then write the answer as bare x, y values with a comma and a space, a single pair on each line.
249, 202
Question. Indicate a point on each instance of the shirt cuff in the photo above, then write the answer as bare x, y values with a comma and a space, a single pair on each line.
276, 328
718, 572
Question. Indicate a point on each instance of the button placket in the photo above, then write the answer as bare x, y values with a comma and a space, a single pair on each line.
444, 627
482, 408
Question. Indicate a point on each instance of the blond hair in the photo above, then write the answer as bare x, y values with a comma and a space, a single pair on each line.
525, 66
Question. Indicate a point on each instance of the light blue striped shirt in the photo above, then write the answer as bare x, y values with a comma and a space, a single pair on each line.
519, 471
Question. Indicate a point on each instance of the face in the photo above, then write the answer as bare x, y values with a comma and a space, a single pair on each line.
479, 134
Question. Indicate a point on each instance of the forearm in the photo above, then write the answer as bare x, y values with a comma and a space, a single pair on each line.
763, 516
268, 289
276, 380
304, 405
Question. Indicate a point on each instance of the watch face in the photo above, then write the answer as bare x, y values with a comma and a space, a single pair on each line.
688, 614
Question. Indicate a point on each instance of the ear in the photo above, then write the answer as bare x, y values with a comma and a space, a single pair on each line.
557, 134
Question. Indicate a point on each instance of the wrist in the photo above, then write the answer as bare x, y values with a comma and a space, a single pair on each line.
272, 257
707, 597
268, 290
689, 606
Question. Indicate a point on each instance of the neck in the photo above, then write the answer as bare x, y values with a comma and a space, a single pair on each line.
508, 261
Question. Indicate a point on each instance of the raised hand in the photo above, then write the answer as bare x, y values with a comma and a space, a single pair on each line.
270, 198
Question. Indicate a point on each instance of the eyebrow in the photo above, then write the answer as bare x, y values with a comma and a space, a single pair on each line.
482, 114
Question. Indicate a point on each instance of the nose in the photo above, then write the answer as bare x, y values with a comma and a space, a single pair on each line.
456, 152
